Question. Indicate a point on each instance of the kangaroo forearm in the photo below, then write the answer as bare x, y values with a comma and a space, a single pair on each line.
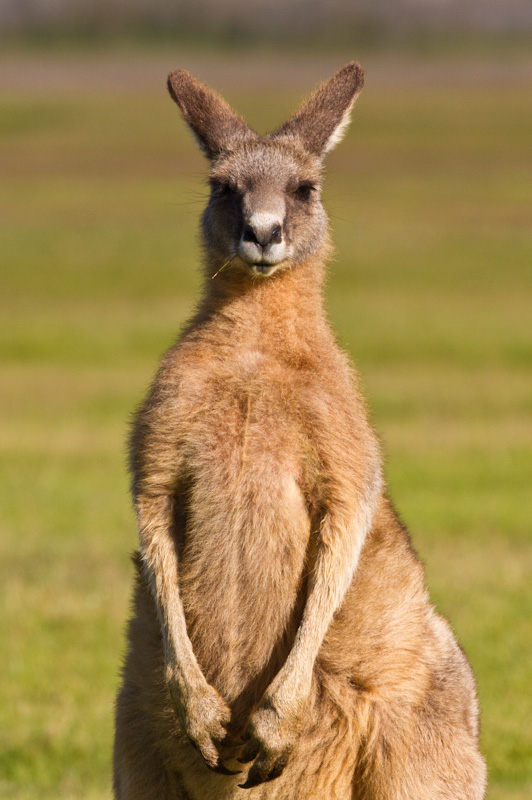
336, 562
341, 538
330, 582
161, 563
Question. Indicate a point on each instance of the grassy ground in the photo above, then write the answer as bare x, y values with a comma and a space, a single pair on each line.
430, 199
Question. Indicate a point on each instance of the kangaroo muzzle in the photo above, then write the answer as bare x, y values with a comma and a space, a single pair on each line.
262, 243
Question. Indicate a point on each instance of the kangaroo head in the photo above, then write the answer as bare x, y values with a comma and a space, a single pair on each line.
264, 211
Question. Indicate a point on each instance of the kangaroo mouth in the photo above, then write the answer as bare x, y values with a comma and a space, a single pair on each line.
262, 268
262, 260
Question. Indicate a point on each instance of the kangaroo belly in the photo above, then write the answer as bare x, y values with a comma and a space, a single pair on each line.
242, 571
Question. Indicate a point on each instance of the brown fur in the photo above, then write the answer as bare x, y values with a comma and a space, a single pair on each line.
277, 596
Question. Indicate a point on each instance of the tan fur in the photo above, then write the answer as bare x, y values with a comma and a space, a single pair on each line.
277, 596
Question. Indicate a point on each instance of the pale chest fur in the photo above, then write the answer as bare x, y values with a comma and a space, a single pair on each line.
243, 541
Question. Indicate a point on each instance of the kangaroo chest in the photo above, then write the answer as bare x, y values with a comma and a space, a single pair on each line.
243, 434
247, 527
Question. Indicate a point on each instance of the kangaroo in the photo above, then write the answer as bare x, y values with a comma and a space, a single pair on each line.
282, 643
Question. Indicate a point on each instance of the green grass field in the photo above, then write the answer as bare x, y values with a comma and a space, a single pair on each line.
430, 199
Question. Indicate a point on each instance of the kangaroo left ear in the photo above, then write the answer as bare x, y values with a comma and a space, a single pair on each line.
322, 120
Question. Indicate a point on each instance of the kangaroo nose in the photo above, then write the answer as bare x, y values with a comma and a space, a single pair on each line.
273, 234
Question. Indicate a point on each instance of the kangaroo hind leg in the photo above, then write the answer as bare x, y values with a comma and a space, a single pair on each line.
419, 754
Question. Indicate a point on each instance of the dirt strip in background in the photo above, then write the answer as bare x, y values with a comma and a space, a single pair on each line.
146, 71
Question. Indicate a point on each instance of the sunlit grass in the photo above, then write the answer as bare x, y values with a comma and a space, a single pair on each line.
430, 198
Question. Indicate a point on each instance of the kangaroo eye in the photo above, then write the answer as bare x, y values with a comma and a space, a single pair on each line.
304, 190
222, 188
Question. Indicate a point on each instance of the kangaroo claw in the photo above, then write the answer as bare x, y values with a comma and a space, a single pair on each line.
249, 754
223, 770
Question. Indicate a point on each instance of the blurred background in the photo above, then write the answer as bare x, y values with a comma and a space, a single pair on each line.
430, 198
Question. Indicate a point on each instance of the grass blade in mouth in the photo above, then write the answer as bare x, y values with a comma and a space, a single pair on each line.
221, 268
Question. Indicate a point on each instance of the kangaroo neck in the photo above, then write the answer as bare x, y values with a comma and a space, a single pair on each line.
279, 312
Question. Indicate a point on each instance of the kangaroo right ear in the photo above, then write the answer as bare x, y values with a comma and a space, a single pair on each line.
322, 120
215, 125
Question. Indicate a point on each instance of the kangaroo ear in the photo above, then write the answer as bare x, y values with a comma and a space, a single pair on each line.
322, 120
215, 125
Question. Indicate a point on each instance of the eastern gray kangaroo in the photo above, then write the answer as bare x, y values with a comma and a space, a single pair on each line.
282, 643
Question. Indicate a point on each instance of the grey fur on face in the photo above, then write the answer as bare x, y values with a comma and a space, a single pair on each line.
265, 212
265, 207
